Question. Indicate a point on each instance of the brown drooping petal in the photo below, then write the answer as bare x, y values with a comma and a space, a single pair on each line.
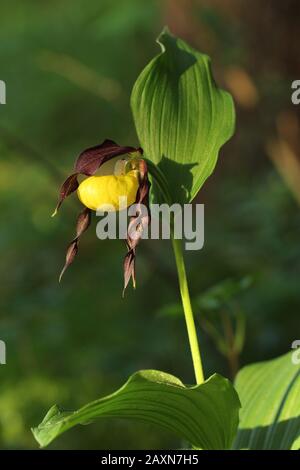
83, 222
141, 219
88, 162
70, 255
129, 269
67, 188
138, 222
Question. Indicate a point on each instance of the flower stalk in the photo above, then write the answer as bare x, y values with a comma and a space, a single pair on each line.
182, 278
188, 312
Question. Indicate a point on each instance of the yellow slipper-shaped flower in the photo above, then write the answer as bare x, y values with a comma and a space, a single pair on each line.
109, 192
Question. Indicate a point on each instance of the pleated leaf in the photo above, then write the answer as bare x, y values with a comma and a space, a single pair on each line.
270, 398
182, 118
205, 415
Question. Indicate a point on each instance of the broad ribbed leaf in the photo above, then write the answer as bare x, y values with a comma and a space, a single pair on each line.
182, 118
270, 398
205, 415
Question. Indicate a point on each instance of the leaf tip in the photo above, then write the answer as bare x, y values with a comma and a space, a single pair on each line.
163, 38
36, 436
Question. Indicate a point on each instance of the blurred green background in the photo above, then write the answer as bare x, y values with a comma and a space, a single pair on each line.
69, 67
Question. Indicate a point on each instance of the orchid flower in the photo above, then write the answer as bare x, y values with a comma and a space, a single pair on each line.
129, 183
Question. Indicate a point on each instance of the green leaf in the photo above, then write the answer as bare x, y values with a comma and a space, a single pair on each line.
182, 118
222, 293
205, 415
270, 397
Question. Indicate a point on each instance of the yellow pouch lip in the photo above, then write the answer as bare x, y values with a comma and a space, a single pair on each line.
104, 192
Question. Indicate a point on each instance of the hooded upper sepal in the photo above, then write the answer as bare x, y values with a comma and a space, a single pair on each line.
92, 158
83, 223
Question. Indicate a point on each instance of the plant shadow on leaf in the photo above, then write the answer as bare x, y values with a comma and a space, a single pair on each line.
278, 427
278, 435
180, 60
181, 116
172, 170
256, 438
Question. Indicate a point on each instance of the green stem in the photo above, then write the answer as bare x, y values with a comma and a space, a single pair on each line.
183, 285
188, 312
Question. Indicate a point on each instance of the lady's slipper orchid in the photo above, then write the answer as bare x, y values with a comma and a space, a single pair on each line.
100, 191
129, 183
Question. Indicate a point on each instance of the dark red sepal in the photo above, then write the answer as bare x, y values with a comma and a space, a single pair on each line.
83, 223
